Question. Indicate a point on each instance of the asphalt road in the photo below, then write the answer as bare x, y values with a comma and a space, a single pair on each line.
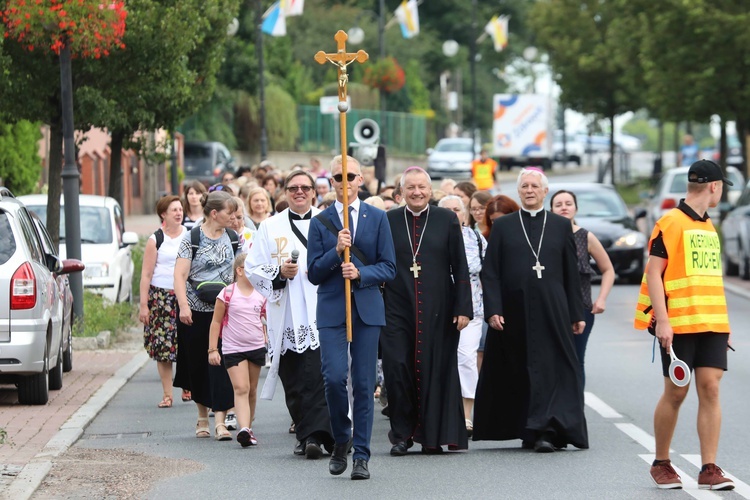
623, 387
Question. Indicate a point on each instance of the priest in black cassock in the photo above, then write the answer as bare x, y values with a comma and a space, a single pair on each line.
531, 385
426, 306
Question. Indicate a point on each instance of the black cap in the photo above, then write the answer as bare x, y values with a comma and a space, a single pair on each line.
703, 171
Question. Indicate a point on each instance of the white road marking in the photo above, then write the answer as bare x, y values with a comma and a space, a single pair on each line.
638, 435
599, 406
739, 486
689, 485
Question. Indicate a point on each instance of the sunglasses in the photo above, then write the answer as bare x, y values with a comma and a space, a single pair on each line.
294, 189
349, 177
219, 187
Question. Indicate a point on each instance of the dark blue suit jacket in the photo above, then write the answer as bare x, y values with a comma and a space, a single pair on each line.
373, 238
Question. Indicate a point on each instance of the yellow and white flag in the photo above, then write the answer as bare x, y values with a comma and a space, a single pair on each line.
497, 28
408, 17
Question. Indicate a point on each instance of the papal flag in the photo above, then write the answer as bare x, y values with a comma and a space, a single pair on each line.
293, 7
408, 17
497, 28
274, 20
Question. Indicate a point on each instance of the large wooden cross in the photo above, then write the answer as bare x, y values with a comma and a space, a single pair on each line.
341, 59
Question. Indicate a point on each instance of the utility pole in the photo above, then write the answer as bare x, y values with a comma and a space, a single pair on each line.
261, 81
473, 66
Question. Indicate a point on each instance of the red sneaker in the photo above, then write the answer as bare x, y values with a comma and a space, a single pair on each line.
665, 476
712, 478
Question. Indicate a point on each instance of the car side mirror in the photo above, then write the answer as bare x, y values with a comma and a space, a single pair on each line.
429, 151
72, 266
640, 213
129, 238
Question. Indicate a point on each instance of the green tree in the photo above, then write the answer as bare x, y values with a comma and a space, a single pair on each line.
578, 37
20, 164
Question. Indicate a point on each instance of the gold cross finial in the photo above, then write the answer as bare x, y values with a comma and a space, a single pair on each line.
341, 58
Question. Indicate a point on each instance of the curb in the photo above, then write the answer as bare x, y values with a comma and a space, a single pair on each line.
33, 473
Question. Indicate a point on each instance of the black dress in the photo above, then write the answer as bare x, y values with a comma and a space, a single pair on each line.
419, 342
531, 381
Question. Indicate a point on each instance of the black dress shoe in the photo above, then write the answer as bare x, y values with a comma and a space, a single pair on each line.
337, 464
399, 449
543, 446
299, 448
527, 445
359, 471
313, 450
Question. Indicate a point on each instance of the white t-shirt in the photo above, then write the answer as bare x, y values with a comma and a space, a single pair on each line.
166, 256
244, 329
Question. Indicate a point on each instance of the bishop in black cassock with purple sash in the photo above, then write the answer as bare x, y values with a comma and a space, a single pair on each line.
426, 306
531, 385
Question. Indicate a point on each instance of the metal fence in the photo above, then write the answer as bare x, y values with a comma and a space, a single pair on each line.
402, 133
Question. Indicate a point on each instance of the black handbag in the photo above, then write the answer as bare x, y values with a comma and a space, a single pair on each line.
207, 291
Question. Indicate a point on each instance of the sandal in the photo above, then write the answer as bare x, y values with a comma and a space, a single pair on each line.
377, 392
166, 402
469, 427
222, 434
201, 428
186, 396
292, 428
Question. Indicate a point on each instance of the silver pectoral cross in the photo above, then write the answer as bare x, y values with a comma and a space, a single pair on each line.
538, 268
416, 268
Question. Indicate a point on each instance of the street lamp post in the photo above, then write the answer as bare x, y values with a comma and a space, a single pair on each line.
261, 81
473, 67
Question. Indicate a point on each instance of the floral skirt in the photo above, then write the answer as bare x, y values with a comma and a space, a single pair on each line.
160, 334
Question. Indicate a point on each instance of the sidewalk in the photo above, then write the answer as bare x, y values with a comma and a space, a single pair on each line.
37, 434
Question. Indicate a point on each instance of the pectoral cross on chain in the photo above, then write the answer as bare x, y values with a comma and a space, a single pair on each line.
341, 59
415, 268
538, 268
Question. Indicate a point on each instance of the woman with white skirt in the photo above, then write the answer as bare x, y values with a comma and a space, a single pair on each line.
475, 246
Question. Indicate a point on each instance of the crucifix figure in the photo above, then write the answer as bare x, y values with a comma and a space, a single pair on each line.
341, 59
415, 268
538, 268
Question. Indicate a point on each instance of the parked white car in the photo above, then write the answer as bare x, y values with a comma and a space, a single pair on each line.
451, 158
673, 186
105, 245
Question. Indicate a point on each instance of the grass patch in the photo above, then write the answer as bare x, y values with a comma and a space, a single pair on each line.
632, 193
100, 314
137, 256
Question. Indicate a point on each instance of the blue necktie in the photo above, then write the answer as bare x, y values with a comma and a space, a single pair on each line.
351, 222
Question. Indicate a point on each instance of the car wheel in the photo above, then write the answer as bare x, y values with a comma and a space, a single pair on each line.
56, 374
730, 269
34, 389
68, 352
744, 267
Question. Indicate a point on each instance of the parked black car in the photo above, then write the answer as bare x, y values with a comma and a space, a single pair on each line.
207, 161
602, 211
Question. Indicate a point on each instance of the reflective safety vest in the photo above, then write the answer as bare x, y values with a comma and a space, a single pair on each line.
484, 173
693, 283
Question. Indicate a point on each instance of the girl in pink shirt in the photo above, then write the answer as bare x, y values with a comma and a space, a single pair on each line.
238, 336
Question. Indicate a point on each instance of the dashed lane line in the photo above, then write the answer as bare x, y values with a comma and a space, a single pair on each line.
689, 485
599, 406
740, 487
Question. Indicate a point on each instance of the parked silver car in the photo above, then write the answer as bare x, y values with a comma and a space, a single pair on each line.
32, 310
735, 232
451, 158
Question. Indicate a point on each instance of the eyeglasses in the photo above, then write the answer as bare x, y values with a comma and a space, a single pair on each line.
477, 209
294, 189
349, 177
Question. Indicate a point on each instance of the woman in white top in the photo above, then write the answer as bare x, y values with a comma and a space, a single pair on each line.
259, 206
238, 224
191, 204
158, 305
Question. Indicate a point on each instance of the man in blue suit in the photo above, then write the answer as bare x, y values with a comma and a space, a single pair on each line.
373, 262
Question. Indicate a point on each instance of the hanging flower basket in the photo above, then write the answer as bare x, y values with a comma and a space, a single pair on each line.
91, 28
386, 74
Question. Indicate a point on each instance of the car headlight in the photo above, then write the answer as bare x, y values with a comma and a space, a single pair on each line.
96, 270
630, 240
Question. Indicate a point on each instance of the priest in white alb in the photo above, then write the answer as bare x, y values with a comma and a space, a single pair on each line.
531, 384
277, 267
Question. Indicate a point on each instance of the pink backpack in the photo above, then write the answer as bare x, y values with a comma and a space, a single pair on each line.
227, 297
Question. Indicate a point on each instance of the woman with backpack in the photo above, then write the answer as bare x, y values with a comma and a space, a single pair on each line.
158, 305
203, 269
